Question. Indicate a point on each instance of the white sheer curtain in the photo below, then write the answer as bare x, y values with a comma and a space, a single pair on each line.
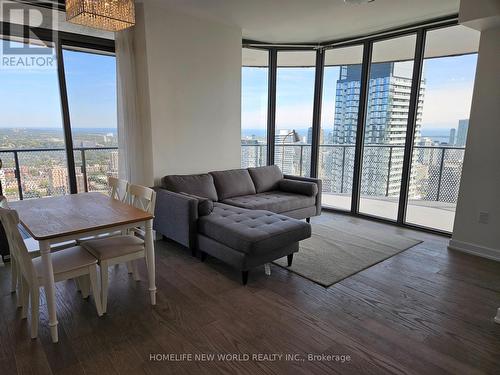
130, 137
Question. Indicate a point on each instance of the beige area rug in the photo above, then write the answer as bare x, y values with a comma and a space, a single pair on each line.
337, 250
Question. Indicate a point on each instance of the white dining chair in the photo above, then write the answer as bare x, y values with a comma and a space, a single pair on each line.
124, 248
118, 191
33, 251
119, 188
73, 262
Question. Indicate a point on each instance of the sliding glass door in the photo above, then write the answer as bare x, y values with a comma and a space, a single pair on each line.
386, 120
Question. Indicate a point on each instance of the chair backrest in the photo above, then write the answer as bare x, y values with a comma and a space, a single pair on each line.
10, 222
142, 197
119, 188
3, 202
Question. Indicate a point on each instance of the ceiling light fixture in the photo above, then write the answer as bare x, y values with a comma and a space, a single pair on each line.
109, 15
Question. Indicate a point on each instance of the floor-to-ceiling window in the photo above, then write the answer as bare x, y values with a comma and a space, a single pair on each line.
443, 120
408, 93
339, 121
31, 128
91, 88
46, 108
386, 120
294, 111
254, 102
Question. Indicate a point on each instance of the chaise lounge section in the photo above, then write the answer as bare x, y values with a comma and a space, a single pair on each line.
245, 217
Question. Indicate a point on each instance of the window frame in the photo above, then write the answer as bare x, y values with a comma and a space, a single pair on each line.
367, 41
61, 39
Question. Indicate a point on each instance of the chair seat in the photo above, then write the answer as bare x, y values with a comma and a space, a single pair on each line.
113, 247
63, 261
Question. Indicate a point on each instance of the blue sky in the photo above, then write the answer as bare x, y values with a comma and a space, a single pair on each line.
30, 97
449, 83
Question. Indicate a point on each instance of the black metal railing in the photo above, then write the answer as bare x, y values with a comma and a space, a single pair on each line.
41, 172
435, 172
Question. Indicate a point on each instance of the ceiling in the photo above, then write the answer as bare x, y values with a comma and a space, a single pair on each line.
302, 21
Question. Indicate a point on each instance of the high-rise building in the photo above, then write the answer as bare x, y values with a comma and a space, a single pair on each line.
386, 123
58, 180
291, 153
253, 153
463, 127
452, 139
310, 136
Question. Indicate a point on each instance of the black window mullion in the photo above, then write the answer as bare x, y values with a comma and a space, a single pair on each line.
68, 139
412, 121
271, 104
316, 121
360, 129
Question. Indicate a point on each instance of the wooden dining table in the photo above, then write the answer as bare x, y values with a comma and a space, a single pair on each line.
71, 217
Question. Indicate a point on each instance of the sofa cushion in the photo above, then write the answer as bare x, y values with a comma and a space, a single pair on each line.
275, 201
266, 178
299, 187
205, 205
196, 184
252, 232
232, 183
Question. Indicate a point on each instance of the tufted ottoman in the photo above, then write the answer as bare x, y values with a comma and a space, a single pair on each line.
247, 238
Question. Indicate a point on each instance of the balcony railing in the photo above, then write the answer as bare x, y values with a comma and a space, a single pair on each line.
435, 173
35, 173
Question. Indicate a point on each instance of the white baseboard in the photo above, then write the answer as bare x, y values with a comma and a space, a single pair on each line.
470, 248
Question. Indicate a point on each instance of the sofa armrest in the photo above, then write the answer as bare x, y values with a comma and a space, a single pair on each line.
176, 216
310, 179
307, 188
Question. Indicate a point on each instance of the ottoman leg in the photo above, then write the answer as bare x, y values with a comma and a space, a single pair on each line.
203, 256
289, 257
244, 277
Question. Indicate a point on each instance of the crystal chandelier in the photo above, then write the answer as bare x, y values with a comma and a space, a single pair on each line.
110, 15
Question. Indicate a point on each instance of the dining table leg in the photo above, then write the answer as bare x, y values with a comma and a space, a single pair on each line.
49, 284
150, 259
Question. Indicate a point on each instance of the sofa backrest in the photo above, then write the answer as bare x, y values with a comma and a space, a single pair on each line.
195, 184
266, 178
233, 183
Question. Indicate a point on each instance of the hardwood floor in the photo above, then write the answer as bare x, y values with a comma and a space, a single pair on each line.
426, 310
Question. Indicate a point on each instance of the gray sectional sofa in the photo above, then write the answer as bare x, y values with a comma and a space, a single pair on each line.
245, 217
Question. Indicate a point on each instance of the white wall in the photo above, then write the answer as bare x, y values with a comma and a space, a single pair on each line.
480, 186
189, 73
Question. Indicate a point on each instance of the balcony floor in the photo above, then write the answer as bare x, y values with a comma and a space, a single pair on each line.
435, 215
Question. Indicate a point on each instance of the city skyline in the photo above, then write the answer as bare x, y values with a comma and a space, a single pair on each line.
448, 95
